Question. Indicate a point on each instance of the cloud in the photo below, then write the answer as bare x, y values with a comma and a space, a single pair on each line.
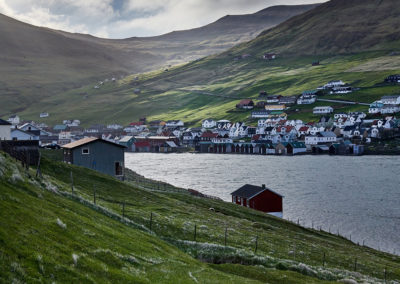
127, 18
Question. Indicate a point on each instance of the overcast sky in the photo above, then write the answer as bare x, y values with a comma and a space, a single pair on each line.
127, 18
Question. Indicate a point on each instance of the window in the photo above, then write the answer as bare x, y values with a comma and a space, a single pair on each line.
85, 151
118, 169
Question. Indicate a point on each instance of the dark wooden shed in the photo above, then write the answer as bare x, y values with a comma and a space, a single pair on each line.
259, 198
97, 154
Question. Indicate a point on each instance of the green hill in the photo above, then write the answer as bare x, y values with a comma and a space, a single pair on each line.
212, 86
39, 63
50, 234
337, 26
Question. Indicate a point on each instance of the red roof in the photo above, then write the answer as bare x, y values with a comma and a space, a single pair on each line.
256, 137
289, 128
246, 102
304, 128
142, 144
138, 123
209, 135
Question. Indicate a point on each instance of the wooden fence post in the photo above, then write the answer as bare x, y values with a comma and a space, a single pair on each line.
323, 261
195, 231
385, 274
72, 183
123, 209
151, 220
226, 233
355, 264
94, 194
255, 249
38, 171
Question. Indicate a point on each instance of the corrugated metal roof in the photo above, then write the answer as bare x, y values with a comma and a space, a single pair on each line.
88, 140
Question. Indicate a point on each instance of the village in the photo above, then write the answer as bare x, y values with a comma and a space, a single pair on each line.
270, 131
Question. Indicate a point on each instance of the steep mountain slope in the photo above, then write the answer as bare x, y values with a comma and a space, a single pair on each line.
338, 26
37, 63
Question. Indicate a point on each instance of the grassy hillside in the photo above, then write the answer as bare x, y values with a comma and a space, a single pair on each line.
39, 63
213, 86
337, 26
49, 233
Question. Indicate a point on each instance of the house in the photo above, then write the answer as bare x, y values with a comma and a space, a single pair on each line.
259, 198
261, 104
275, 107
21, 135
294, 148
269, 56
208, 123
322, 110
97, 154
245, 104
341, 90
375, 107
174, 123
322, 137
44, 114
262, 94
306, 99
260, 114
142, 146
389, 100
273, 99
333, 84
390, 109
60, 127
289, 100
5, 130
393, 79
208, 136
14, 119
127, 141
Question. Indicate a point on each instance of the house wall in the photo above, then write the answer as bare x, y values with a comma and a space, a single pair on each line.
267, 201
102, 157
21, 136
5, 132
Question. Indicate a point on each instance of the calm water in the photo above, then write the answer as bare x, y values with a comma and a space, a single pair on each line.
359, 196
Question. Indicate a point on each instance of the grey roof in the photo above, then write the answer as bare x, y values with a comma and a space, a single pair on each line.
248, 191
328, 134
126, 139
3, 122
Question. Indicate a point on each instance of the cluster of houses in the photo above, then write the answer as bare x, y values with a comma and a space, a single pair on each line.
386, 105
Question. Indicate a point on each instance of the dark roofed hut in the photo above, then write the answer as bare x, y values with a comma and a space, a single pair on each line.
259, 198
96, 154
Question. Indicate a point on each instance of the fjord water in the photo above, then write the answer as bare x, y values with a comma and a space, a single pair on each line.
359, 197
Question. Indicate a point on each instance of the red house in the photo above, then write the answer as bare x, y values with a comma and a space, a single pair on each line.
259, 198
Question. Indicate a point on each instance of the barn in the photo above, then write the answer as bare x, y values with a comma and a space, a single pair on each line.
96, 154
259, 198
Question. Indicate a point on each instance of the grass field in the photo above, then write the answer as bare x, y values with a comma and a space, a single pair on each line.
213, 86
48, 232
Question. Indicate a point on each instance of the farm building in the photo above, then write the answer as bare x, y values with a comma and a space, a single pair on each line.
259, 198
128, 142
97, 154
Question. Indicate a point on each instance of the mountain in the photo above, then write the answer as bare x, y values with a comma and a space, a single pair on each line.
37, 62
337, 26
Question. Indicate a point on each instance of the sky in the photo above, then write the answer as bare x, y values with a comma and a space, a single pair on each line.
128, 18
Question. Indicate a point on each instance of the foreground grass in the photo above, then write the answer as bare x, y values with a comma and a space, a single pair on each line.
110, 248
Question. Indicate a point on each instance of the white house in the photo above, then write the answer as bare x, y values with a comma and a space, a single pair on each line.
322, 137
5, 130
390, 108
375, 107
114, 126
306, 99
18, 134
44, 114
333, 84
14, 119
174, 123
389, 100
208, 123
341, 90
29, 127
322, 110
